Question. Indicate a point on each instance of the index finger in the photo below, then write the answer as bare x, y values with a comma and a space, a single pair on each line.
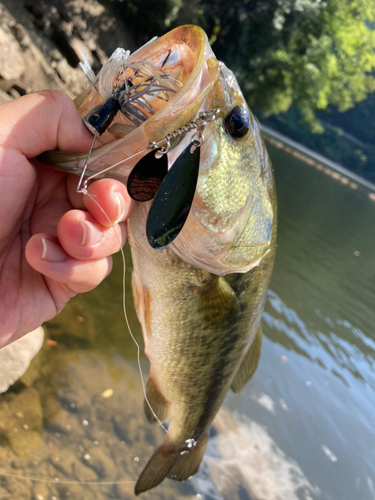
42, 121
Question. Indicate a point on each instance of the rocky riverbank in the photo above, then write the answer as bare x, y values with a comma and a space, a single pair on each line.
41, 44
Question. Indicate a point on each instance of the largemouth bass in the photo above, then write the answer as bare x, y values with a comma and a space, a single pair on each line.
200, 298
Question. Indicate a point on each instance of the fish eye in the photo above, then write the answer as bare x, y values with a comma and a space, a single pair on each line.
237, 122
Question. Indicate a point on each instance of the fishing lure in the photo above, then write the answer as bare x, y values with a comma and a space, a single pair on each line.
126, 83
127, 90
173, 190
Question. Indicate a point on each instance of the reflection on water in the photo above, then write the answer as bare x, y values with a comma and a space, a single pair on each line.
302, 429
243, 461
339, 348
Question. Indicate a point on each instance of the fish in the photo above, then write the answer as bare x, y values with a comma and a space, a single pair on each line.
199, 297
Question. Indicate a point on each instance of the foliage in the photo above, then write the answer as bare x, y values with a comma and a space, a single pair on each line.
307, 54
293, 58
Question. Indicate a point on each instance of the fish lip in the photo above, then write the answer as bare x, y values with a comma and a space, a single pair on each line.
198, 43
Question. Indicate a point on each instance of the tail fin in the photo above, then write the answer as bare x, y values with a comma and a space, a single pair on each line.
188, 461
157, 468
170, 460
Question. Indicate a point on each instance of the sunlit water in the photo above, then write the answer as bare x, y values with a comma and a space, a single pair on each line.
304, 428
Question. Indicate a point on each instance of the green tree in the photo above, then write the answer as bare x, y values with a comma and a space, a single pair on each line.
308, 54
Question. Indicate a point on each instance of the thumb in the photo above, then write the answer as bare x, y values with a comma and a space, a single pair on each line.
42, 121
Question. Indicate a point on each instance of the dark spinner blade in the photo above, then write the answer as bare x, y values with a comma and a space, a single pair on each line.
172, 202
147, 175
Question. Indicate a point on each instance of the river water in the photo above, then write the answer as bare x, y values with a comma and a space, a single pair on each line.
303, 428
313, 394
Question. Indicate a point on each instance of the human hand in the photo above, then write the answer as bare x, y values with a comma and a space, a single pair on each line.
54, 242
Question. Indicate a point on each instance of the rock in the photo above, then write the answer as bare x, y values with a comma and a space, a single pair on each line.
97, 459
51, 407
63, 462
15, 358
130, 428
74, 78
15, 489
72, 492
4, 97
126, 427
8, 85
21, 35
21, 421
4, 494
19, 463
103, 411
77, 47
23, 444
83, 473
65, 423
40, 491
11, 60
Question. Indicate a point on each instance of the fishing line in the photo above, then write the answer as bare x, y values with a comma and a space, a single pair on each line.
85, 192
82, 188
58, 481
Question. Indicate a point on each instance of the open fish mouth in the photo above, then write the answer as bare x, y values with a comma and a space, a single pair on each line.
140, 98
139, 85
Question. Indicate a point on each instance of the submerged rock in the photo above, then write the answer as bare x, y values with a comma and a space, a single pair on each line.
15, 358
21, 421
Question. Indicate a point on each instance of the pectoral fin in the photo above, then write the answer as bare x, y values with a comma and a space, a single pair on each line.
218, 303
249, 364
156, 400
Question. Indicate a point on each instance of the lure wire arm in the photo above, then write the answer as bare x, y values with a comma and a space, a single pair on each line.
82, 186
199, 125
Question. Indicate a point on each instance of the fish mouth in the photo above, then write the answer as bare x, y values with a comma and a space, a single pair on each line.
185, 58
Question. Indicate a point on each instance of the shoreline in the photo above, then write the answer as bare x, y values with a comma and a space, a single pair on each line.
316, 160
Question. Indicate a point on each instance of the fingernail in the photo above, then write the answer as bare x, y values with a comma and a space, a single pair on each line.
121, 206
90, 234
52, 252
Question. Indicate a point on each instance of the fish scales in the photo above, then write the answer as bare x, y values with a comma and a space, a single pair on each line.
199, 299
